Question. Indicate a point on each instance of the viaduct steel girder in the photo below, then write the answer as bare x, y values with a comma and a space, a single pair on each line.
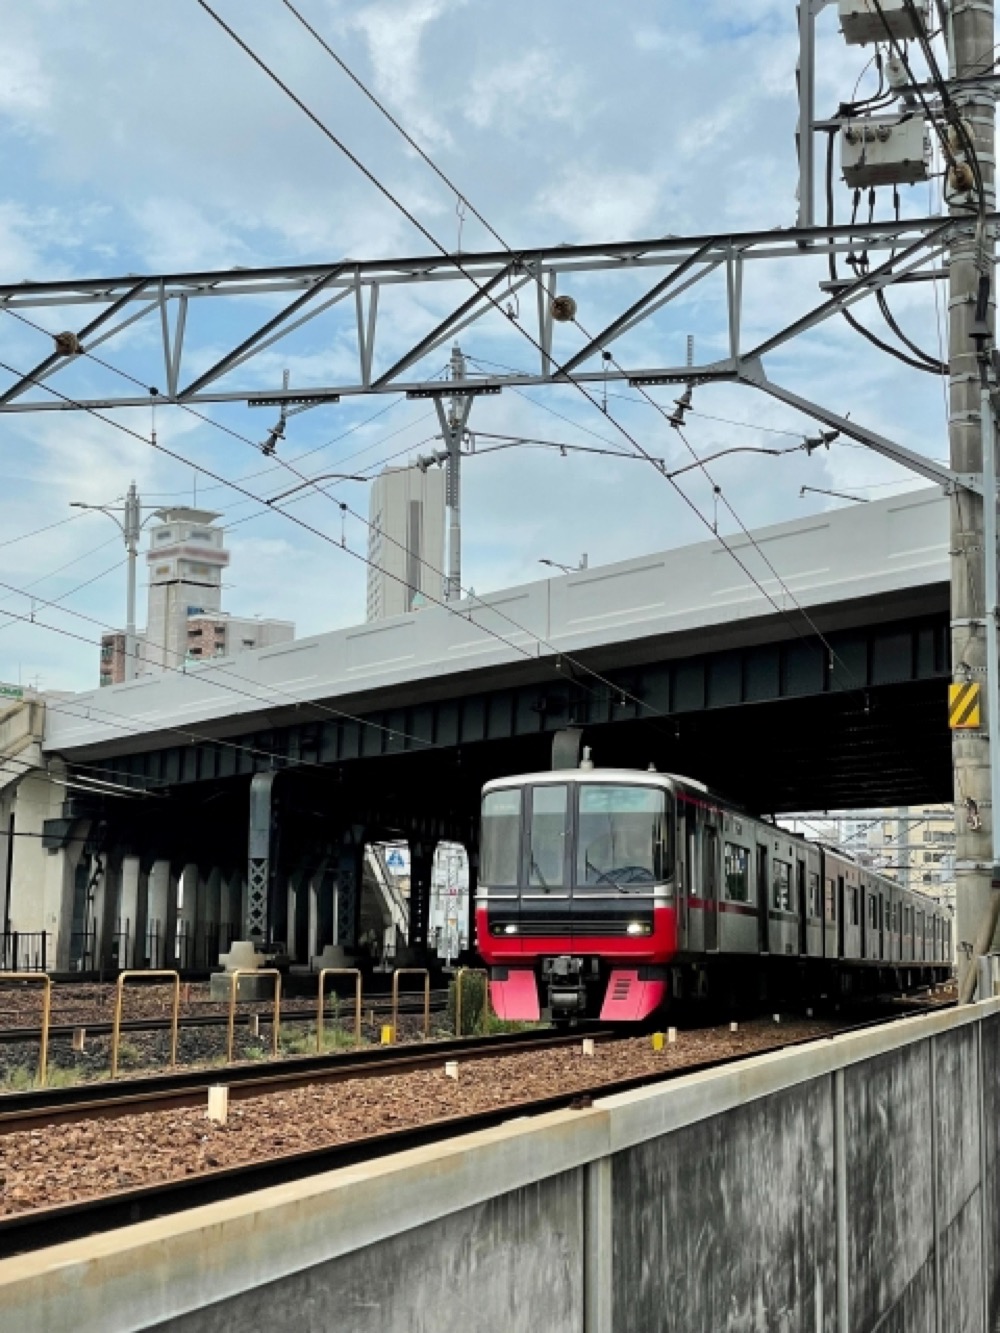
872, 745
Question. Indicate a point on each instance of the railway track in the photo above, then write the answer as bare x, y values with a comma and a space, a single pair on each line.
180, 1089
48, 1225
379, 1006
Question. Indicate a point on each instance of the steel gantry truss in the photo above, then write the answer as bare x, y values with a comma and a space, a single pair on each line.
474, 285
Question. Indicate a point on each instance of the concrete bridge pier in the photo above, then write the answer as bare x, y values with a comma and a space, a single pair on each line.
133, 912
162, 913
187, 934
107, 910
210, 912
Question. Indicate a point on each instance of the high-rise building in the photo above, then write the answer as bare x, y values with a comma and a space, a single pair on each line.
406, 540
185, 620
186, 558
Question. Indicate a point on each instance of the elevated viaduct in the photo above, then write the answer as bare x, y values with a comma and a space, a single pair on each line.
265, 775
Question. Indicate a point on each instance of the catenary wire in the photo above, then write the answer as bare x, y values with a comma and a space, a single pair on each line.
483, 291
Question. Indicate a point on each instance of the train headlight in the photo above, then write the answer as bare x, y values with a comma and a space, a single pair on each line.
510, 930
638, 928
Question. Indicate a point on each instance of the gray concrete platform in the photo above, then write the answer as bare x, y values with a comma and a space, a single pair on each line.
849, 1186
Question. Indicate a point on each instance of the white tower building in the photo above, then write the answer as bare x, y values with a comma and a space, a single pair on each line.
186, 559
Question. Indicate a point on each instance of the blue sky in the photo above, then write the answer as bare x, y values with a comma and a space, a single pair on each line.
137, 138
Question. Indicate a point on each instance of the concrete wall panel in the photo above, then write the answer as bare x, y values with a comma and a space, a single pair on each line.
726, 1225
889, 1185
990, 1036
515, 1262
960, 1271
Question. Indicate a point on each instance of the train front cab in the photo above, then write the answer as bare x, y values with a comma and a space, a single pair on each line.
575, 910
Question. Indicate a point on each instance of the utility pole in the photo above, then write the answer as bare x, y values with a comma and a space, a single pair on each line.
973, 564
453, 424
130, 524
130, 529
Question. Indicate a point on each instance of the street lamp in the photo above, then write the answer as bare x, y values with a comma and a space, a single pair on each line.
567, 569
130, 524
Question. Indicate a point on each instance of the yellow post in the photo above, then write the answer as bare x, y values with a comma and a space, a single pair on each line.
388, 1034
38, 979
117, 1022
234, 983
658, 1040
412, 972
339, 972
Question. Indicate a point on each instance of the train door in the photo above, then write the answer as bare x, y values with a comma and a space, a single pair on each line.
710, 891
696, 916
763, 898
803, 907
841, 916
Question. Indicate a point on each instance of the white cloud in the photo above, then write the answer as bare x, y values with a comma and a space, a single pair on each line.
593, 202
394, 30
537, 85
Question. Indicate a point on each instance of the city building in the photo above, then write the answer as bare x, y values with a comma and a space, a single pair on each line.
913, 845
186, 558
185, 620
406, 540
223, 635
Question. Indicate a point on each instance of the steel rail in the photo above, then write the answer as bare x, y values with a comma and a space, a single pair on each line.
183, 1088
43, 1227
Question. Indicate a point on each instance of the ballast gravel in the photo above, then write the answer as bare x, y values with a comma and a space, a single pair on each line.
63, 1164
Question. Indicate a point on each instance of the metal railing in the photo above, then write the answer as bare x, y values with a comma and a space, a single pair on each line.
339, 972
412, 972
24, 950
116, 1026
37, 979
233, 985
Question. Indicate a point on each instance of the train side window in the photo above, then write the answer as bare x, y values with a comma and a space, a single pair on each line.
547, 839
831, 899
781, 886
814, 899
737, 871
855, 906
501, 838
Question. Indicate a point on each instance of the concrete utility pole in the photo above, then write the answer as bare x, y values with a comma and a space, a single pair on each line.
453, 424
131, 525
973, 612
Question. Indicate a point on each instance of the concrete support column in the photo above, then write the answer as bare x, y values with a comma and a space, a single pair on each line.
230, 909
188, 917
299, 901
131, 942
208, 937
161, 910
107, 917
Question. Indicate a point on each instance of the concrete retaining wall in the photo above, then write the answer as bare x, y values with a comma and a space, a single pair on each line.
850, 1186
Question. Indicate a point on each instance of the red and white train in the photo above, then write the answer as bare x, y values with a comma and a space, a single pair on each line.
606, 892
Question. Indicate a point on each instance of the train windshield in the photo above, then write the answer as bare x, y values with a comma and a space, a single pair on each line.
501, 837
624, 836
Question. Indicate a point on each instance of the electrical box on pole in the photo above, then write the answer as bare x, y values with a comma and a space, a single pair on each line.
881, 150
866, 20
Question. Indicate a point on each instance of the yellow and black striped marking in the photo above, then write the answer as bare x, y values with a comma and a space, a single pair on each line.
963, 706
